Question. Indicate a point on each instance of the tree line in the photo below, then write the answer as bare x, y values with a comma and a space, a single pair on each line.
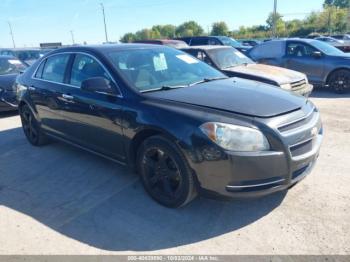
332, 19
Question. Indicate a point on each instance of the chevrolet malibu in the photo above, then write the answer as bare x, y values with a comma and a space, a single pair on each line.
182, 125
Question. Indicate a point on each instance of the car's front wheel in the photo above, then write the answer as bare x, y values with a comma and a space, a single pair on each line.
165, 173
31, 127
339, 81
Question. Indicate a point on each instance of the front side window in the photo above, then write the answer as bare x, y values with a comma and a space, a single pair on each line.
299, 50
55, 67
149, 69
85, 67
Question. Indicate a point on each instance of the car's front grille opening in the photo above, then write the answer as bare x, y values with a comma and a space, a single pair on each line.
299, 172
298, 84
302, 148
296, 124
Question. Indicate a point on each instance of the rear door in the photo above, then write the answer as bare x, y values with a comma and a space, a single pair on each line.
46, 91
93, 119
299, 57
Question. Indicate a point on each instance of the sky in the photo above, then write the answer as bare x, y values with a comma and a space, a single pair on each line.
38, 21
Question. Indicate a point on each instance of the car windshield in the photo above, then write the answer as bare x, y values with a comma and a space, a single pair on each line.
29, 55
157, 68
327, 48
11, 66
228, 57
229, 41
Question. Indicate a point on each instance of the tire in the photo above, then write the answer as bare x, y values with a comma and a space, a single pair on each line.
165, 173
31, 127
339, 81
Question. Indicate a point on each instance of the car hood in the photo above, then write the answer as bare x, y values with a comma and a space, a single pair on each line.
277, 74
7, 81
236, 95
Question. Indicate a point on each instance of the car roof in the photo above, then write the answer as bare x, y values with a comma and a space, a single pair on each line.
209, 47
106, 48
8, 57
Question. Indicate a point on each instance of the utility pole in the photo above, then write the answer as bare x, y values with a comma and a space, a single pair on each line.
11, 33
72, 35
274, 17
104, 21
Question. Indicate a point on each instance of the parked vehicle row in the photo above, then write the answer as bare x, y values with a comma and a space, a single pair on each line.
10, 67
324, 65
235, 64
27, 56
186, 128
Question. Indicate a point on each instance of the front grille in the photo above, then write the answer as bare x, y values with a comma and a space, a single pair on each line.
296, 124
298, 84
301, 149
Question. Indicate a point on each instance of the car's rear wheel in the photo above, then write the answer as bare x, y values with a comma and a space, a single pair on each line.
165, 173
31, 127
339, 81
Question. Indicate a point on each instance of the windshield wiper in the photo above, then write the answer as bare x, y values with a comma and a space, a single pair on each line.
205, 80
163, 88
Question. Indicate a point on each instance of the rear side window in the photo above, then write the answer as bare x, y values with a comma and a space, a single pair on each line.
271, 49
39, 71
199, 41
85, 67
55, 67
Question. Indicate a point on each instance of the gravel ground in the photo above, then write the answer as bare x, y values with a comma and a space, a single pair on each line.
60, 200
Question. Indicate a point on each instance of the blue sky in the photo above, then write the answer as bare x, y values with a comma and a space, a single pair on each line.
36, 21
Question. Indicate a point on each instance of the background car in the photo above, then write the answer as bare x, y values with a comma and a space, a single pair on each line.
186, 127
10, 67
27, 56
167, 42
324, 65
215, 40
235, 64
344, 37
250, 42
340, 44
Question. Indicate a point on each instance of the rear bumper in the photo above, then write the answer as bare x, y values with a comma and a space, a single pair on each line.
8, 101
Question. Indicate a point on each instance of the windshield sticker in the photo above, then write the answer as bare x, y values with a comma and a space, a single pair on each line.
160, 63
14, 62
239, 54
188, 59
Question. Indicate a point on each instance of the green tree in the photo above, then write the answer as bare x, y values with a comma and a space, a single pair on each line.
128, 38
220, 28
337, 3
190, 28
280, 24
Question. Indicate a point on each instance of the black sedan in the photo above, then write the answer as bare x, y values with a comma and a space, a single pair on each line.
324, 65
10, 67
184, 126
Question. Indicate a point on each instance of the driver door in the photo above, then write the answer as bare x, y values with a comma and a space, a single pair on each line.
93, 120
300, 57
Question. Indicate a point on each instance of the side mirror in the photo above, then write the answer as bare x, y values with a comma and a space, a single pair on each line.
99, 85
316, 54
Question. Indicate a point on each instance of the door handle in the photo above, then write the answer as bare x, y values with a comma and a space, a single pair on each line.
68, 97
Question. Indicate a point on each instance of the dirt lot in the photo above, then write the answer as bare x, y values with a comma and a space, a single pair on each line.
60, 200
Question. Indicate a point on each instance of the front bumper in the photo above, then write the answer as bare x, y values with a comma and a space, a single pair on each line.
296, 147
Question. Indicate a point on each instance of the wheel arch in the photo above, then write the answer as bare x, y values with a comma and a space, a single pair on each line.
140, 137
335, 70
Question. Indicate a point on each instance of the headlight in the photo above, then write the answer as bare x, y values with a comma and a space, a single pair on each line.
236, 138
286, 86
